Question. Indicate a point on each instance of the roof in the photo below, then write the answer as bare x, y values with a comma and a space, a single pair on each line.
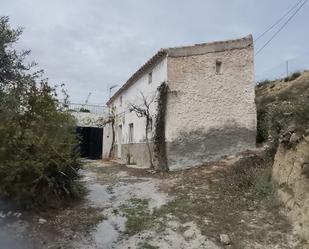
197, 49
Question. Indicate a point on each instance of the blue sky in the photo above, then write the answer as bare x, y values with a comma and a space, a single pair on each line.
91, 45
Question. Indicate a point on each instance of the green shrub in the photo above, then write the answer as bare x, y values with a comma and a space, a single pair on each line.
294, 76
275, 112
39, 160
262, 125
278, 115
84, 110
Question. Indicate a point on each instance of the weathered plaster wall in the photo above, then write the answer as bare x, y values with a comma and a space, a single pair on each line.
125, 117
107, 140
209, 114
291, 172
135, 154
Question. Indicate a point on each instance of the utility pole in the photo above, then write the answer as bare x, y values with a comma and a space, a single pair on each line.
287, 68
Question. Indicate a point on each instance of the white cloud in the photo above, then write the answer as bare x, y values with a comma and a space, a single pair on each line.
93, 44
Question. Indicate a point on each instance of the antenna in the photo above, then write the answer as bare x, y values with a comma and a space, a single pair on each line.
110, 90
87, 99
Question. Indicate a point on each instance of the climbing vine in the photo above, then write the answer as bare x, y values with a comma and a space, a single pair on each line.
160, 159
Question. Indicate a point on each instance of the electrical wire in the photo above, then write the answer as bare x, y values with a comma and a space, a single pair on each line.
278, 21
281, 28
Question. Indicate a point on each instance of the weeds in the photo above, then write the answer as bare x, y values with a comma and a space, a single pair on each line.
294, 76
277, 116
278, 111
263, 186
252, 174
79, 220
138, 216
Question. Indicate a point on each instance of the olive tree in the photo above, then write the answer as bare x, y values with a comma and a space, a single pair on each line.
39, 160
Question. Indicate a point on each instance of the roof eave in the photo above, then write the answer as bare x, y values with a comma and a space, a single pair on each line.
196, 49
149, 64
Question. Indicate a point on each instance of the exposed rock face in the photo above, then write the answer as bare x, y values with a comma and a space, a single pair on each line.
305, 169
294, 138
290, 172
225, 239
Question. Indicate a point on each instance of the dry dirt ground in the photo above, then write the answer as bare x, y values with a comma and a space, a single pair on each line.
133, 208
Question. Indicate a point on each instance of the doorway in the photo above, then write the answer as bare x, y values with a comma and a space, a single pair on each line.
91, 140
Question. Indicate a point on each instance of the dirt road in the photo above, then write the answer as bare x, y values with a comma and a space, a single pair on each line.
131, 208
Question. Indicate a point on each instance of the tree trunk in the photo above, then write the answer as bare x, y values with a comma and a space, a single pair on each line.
147, 143
113, 138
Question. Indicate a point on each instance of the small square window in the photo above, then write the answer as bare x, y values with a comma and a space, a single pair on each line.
218, 67
149, 77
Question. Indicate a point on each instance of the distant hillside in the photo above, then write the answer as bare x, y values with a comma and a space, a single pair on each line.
283, 104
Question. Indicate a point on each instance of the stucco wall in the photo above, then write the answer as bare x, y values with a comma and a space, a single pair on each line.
135, 154
133, 95
208, 114
107, 140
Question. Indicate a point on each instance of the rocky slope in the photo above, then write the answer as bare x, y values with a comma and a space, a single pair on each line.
283, 114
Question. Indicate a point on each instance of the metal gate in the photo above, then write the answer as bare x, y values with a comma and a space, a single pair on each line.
91, 140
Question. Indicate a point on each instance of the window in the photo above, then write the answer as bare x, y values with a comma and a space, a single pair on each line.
150, 125
149, 77
131, 133
119, 137
120, 100
218, 67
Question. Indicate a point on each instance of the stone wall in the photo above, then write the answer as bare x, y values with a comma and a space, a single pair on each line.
107, 141
87, 119
210, 114
291, 173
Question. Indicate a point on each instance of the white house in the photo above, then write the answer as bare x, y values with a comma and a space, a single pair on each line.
203, 106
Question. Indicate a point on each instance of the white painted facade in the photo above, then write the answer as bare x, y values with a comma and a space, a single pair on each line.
133, 95
208, 112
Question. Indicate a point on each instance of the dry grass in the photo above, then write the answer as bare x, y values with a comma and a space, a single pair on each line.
233, 199
281, 104
238, 201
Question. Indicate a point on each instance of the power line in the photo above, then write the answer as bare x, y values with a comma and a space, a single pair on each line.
281, 28
278, 21
295, 59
